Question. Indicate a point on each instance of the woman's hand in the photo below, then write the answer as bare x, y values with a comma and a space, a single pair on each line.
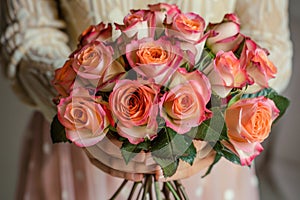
106, 155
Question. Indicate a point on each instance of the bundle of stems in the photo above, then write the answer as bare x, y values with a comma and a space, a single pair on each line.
150, 189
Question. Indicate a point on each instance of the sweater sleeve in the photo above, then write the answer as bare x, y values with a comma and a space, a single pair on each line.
33, 45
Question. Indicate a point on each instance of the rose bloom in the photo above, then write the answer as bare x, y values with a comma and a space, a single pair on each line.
164, 11
260, 69
187, 27
227, 73
86, 122
99, 32
134, 105
248, 124
112, 74
154, 59
91, 61
227, 35
140, 22
184, 105
64, 79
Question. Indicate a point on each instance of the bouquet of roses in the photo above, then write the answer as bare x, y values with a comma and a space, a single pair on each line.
166, 85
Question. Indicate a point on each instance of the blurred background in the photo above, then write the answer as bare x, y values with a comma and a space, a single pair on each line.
286, 137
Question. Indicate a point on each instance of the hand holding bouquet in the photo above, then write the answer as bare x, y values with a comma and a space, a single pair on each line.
166, 94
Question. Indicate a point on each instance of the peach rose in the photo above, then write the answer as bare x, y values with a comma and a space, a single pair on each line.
260, 69
154, 59
228, 73
86, 122
139, 22
91, 61
165, 11
99, 32
64, 79
248, 123
112, 74
187, 27
184, 106
227, 35
134, 105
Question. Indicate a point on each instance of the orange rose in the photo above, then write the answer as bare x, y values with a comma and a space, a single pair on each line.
134, 105
91, 61
64, 78
187, 27
154, 59
248, 123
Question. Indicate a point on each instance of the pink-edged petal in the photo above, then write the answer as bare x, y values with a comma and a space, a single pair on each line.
247, 151
84, 138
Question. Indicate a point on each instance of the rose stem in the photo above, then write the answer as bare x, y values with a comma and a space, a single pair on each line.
166, 191
147, 186
119, 190
181, 189
135, 184
170, 186
157, 190
140, 191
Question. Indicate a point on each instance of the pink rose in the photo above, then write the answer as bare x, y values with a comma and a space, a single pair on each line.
91, 61
138, 22
165, 11
154, 59
86, 122
134, 105
99, 32
228, 73
187, 27
260, 69
248, 123
64, 79
184, 106
227, 35
112, 74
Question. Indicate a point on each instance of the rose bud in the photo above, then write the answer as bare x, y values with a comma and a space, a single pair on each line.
99, 32
227, 35
64, 79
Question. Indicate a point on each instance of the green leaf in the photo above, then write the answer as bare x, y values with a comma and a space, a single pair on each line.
190, 154
216, 160
265, 92
129, 151
57, 130
213, 129
226, 153
168, 166
169, 146
281, 102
